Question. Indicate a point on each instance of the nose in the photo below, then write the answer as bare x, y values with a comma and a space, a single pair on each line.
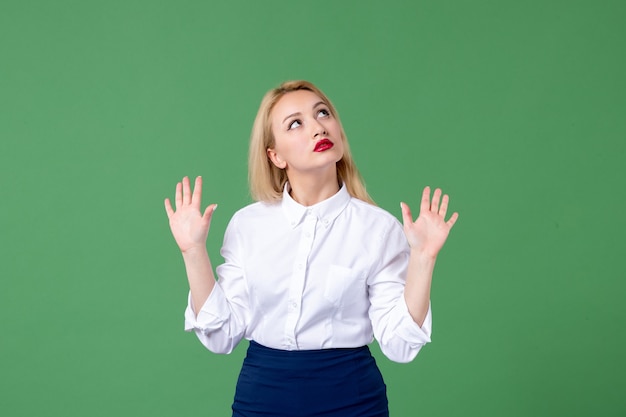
318, 130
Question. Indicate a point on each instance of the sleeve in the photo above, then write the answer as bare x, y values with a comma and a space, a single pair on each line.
221, 322
399, 337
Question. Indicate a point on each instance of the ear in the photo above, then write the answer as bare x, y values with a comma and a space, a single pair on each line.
276, 159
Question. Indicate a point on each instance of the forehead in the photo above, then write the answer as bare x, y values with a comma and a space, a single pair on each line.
297, 101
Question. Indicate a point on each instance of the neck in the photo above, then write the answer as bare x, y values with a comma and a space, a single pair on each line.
308, 190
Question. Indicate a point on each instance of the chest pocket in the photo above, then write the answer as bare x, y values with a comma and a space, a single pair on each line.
344, 286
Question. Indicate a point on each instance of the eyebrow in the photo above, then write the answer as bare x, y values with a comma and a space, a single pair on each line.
298, 113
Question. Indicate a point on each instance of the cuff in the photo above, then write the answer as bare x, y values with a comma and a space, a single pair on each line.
211, 316
410, 331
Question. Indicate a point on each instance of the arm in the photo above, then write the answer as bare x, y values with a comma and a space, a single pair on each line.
190, 228
426, 237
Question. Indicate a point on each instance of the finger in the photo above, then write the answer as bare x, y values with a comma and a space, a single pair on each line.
443, 208
453, 219
186, 191
197, 193
434, 205
425, 204
407, 218
168, 208
178, 199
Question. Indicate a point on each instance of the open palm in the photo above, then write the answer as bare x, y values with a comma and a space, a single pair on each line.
429, 231
189, 225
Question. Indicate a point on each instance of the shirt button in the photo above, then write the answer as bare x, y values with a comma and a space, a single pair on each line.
300, 266
325, 221
307, 234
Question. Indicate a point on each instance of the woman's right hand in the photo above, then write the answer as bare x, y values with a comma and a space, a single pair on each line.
189, 225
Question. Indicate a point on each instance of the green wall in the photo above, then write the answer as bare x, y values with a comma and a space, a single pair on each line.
516, 108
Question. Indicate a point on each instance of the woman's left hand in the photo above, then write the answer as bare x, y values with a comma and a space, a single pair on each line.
429, 232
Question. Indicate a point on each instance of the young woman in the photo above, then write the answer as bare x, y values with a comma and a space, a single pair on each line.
313, 270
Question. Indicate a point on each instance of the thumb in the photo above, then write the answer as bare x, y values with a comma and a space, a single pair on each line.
407, 218
208, 213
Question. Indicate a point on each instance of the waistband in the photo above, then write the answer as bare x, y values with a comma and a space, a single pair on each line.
333, 356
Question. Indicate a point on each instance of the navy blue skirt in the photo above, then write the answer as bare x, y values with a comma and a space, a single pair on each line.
326, 382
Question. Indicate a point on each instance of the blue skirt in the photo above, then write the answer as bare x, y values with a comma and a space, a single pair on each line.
327, 382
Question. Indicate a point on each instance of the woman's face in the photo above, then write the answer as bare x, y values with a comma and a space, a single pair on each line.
307, 136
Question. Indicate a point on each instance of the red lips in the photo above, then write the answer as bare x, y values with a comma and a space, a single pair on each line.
323, 145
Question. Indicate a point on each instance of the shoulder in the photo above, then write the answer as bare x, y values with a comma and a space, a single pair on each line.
256, 212
370, 212
373, 219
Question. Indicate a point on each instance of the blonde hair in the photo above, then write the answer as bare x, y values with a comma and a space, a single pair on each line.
266, 180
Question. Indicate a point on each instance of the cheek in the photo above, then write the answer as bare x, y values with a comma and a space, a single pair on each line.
335, 129
288, 147
342, 149
280, 143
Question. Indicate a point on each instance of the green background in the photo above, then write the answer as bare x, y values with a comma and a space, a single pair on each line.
516, 108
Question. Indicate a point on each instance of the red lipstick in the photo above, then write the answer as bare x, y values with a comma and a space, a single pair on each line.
323, 145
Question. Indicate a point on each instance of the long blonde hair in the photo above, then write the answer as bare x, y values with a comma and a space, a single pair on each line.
268, 181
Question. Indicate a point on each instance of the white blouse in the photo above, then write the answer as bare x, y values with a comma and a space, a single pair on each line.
326, 276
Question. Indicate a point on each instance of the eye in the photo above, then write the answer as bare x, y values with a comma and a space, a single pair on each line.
294, 124
323, 113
